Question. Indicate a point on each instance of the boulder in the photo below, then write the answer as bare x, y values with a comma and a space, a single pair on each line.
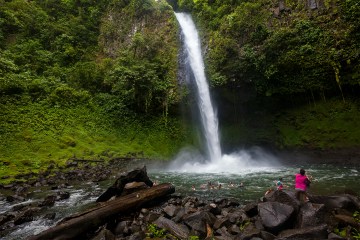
171, 210
284, 196
344, 201
251, 209
178, 230
347, 220
26, 216
267, 236
220, 222
104, 234
179, 215
198, 221
311, 214
275, 216
316, 232
249, 232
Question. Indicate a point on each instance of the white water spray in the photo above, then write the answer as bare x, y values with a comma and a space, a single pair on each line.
190, 160
208, 116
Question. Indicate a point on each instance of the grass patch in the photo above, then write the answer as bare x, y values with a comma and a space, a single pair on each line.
331, 124
32, 135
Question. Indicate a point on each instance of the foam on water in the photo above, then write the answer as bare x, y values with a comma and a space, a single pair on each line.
239, 162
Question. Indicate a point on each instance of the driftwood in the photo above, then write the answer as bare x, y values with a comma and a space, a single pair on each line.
76, 225
137, 175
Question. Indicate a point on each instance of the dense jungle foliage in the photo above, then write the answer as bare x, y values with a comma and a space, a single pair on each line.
87, 79
286, 72
99, 79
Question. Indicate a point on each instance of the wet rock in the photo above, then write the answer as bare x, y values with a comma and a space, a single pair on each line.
275, 216
151, 217
284, 196
237, 215
8, 186
224, 234
104, 234
214, 209
178, 230
15, 198
198, 221
345, 201
234, 229
26, 216
21, 190
334, 236
4, 218
267, 236
311, 214
249, 232
62, 195
221, 222
50, 216
171, 210
138, 236
179, 215
251, 209
123, 228
316, 232
347, 220
49, 201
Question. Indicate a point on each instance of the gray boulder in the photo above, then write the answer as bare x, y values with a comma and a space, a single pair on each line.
275, 216
316, 232
198, 221
178, 230
311, 214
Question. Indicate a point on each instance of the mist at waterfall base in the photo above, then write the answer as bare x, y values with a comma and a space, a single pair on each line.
190, 159
251, 160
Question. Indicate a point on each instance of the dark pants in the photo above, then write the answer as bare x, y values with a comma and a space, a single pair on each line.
301, 195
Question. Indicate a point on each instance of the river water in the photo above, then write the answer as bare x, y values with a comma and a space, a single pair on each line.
327, 180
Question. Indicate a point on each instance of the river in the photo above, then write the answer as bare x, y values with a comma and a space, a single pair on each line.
327, 180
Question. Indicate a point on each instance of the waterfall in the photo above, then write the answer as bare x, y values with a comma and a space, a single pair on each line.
189, 159
208, 117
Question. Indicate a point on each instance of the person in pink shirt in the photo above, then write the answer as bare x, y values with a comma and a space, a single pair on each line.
302, 182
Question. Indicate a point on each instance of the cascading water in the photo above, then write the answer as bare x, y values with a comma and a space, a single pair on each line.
189, 160
208, 116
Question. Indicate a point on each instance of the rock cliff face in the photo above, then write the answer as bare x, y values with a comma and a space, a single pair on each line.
150, 28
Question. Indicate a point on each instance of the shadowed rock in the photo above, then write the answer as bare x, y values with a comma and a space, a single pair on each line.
178, 230
274, 216
317, 232
137, 175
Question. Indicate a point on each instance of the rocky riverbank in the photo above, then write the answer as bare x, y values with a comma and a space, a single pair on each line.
278, 215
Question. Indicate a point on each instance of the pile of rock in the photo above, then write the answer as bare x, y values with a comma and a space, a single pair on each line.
279, 215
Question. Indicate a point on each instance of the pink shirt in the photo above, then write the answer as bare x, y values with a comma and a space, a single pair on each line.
300, 181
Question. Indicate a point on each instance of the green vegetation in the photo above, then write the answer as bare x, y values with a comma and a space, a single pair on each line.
98, 79
282, 50
86, 79
350, 232
281, 68
155, 232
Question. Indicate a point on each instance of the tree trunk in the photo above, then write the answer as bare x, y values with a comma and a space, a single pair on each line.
75, 225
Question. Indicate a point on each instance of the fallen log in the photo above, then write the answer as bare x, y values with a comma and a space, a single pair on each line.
76, 225
136, 175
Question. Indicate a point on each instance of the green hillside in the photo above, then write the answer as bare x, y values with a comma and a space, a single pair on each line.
99, 79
